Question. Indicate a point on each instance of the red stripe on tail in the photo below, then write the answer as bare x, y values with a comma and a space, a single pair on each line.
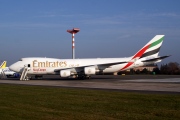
139, 54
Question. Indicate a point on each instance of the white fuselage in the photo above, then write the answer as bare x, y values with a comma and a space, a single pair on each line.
51, 65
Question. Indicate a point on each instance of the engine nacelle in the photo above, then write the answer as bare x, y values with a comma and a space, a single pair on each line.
90, 70
65, 73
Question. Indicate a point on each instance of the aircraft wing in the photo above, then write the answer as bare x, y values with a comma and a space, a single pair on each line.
109, 64
155, 59
104, 65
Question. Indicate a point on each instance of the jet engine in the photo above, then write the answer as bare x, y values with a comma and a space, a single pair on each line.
90, 70
65, 73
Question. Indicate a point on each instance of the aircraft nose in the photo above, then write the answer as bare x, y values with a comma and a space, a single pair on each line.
13, 67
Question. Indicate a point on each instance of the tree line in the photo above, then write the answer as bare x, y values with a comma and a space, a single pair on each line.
172, 68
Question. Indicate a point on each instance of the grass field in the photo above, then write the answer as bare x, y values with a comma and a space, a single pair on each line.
18, 102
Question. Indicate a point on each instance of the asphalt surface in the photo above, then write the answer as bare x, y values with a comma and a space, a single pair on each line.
138, 83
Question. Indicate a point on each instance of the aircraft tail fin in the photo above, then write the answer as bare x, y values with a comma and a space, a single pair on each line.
149, 53
151, 49
3, 65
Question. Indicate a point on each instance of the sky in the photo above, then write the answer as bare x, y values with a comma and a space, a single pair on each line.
108, 28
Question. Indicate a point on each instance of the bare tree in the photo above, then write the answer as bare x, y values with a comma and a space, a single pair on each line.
173, 68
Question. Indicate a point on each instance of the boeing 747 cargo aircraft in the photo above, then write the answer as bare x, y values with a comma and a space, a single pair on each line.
83, 68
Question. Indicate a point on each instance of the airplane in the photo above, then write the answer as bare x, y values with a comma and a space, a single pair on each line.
7, 72
3, 65
84, 68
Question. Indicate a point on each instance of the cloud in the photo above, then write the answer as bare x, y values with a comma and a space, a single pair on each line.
167, 14
124, 36
56, 15
30, 25
110, 20
60, 14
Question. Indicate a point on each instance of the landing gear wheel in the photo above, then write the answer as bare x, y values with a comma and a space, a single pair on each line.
14, 75
38, 77
88, 77
81, 77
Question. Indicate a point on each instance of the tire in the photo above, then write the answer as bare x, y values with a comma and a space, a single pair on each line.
14, 75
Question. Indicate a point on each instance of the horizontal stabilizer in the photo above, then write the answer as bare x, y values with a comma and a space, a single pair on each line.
156, 59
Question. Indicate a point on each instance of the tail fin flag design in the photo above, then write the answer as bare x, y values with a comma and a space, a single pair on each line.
3, 65
151, 49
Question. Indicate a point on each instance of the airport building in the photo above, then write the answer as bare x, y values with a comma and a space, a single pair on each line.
149, 68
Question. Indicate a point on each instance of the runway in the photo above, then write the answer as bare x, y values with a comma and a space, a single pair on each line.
145, 83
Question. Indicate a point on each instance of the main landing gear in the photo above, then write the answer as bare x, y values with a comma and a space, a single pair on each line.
82, 77
38, 77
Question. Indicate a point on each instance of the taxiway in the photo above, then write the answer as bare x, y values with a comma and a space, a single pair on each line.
151, 83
